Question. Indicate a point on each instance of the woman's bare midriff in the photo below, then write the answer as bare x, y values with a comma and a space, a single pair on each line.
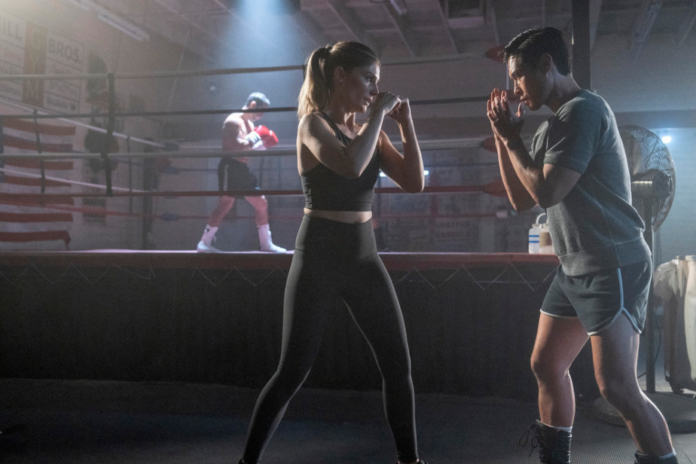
349, 217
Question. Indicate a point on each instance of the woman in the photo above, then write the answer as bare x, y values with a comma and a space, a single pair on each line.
335, 255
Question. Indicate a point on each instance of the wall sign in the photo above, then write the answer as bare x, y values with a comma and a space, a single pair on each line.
27, 48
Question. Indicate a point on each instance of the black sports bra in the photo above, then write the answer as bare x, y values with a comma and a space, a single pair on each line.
326, 190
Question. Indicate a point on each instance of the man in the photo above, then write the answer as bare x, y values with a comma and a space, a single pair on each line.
578, 172
239, 134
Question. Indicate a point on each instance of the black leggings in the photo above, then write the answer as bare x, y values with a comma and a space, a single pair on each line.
334, 259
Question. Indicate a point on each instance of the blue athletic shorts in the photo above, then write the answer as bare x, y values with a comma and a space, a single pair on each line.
599, 298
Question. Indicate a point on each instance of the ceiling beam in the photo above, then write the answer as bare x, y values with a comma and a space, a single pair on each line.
647, 14
490, 10
351, 23
164, 4
403, 28
595, 9
543, 13
184, 48
445, 24
581, 64
686, 25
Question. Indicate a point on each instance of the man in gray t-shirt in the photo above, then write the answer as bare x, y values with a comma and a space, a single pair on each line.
577, 171
594, 227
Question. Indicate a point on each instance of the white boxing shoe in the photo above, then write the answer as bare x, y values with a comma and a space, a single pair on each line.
272, 248
266, 243
202, 247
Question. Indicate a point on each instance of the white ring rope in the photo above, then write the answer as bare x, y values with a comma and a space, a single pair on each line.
67, 181
5, 101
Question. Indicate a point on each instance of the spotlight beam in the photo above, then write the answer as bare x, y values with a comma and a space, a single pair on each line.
200, 28
310, 28
258, 33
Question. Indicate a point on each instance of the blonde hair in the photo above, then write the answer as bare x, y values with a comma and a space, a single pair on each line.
319, 70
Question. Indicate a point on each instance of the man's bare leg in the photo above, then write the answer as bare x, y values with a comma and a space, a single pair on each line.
615, 355
260, 204
557, 344
224, 205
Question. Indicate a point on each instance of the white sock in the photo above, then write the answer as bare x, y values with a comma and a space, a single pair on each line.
565, 429
668, 455
264, 233
208, 234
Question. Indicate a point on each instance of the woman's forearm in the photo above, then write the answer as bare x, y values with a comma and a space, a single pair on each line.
412, 168
359, 151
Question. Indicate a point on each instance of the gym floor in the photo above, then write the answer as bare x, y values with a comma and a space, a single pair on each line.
134, 422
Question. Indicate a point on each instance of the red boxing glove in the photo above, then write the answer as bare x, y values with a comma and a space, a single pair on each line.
268, 137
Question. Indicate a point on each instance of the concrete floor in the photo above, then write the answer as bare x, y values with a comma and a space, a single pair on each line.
94, 422
127, 422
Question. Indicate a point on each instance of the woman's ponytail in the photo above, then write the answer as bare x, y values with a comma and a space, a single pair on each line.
315, 90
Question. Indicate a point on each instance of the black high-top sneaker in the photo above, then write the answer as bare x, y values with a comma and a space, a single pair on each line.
647, 459
553, 444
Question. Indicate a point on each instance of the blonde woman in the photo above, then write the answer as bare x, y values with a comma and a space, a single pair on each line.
339, 161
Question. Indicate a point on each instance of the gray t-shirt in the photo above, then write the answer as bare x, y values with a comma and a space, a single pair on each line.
595, 226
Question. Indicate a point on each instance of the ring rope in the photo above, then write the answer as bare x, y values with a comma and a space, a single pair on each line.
492, 188
280, 150
112, 115
59, 116
66, 181
170, 217
280, 109
215, 72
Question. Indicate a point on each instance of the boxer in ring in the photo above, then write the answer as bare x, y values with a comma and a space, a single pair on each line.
240, 134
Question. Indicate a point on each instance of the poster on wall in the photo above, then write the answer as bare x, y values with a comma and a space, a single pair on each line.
27, 48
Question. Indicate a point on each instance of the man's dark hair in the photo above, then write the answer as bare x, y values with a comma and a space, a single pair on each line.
532, 43
259, 98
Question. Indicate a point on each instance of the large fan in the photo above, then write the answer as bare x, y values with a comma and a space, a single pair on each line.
652, 186
652, 175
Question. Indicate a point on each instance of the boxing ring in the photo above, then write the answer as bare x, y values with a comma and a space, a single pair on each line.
165, 316
146, 315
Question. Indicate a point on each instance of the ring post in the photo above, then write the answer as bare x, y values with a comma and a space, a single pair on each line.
39, 150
